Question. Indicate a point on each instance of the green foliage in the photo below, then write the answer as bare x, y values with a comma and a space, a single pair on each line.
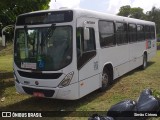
156, 94
154, 15
125, 11
158, 35
158, 43
137, 13
9, 9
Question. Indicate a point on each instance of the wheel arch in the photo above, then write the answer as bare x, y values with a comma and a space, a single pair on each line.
109, 66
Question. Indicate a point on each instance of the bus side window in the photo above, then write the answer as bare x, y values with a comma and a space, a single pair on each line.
132, 33
121, 33
86, 49
152, 32
85, 45
147, 32
106, 33
140, 33
89, 45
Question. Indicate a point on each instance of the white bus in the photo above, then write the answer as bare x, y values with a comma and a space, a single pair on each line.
68, 53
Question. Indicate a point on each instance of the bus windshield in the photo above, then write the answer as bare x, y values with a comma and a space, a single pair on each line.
46, 48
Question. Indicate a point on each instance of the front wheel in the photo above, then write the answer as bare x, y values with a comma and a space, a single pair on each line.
105, 80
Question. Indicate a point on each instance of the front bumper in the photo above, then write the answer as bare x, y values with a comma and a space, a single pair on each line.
70, 92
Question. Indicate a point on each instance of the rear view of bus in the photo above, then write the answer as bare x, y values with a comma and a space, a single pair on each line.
43, 55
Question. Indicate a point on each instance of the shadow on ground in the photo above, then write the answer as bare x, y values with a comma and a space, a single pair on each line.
6, 80
1, 47
5, 75
46, 104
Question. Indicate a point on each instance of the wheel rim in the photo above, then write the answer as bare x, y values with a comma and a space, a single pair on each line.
104, 80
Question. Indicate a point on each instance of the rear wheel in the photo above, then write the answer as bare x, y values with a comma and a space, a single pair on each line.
144, 65
106, 80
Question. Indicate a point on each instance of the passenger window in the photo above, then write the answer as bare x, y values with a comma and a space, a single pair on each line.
147, 32
106, 33
86, 49
132, 33
89, 45
121, 33
152, 32
140, 33
85, 45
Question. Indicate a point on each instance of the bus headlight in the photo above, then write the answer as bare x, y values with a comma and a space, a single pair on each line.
66, 81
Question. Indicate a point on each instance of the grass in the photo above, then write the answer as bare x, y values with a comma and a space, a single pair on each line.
6, 63
128, 86
8, 50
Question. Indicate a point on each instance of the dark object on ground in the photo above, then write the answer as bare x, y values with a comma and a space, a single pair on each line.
147, 102
97, 117
122, 109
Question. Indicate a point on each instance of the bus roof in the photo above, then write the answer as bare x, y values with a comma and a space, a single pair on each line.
98, 15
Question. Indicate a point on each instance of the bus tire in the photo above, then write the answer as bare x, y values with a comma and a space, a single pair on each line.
144, 65
106, 80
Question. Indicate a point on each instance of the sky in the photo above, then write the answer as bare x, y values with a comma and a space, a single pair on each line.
106, 6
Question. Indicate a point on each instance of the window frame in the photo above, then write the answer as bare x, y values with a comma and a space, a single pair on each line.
125, 25
147, 33
129, 33
152, 32
114, 37
86, 56
140, 32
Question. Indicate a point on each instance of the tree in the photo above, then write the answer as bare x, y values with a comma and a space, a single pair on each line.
137, 13
10, 9
125, 10
154, 15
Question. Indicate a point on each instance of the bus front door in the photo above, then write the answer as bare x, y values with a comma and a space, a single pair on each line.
87, 56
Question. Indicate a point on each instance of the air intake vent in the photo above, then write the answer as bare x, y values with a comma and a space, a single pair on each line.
40, 75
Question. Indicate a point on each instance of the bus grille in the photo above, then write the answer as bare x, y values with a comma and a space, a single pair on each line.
47, 93
40, 75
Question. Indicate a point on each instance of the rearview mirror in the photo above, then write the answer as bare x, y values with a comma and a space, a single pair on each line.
86, 33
